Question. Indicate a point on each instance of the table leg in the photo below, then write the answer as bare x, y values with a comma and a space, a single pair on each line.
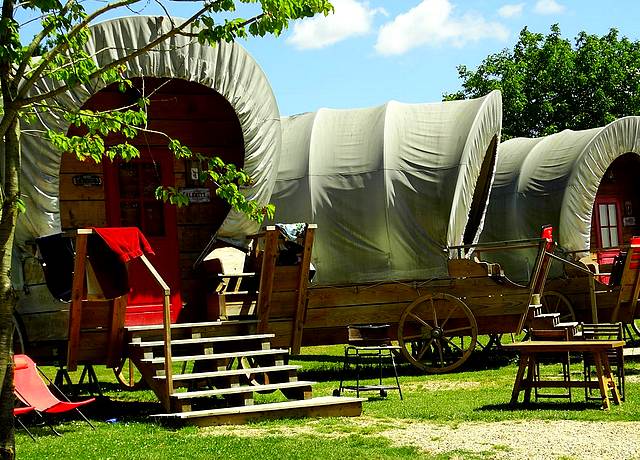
597, 358
522, 366
529, 379
611, 380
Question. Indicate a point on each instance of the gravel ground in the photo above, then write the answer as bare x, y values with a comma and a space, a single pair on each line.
525, 439
513, 440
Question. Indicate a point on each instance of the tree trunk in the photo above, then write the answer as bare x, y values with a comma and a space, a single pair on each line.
8, 217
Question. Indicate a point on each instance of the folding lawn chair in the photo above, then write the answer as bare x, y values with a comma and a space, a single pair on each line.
17, 411
31, 390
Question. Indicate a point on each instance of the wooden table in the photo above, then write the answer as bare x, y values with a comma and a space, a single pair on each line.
598, 348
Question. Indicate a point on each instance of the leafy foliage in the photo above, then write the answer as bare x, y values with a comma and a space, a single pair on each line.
549, 83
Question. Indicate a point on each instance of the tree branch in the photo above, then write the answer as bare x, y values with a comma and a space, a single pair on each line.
174, 31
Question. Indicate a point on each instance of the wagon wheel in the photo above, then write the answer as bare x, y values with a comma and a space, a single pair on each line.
128, 375
437, 333
555, 302
254, 376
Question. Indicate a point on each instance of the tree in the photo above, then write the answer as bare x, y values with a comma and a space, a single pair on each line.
549, 83
57, 53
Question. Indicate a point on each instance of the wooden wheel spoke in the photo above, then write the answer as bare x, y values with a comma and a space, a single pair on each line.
420, 320
451, 342
457, 329
451, 310
440, 353
424, 349
435, 315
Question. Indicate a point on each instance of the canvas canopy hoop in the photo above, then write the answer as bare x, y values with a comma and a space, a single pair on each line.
554, 180
390, 186
226, 68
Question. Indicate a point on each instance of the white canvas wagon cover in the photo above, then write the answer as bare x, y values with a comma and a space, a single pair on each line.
554, 180
226, 68
390, 187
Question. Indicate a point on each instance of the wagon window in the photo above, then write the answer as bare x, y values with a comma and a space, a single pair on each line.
608, 224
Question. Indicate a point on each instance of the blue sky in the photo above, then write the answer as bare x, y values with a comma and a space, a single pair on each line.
372, 51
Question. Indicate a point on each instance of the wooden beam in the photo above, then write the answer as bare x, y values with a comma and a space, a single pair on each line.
166, 323
303, 283
266, 277
116, 331
77, 294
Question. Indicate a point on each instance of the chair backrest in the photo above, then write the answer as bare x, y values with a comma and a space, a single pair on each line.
602, 331
29, 386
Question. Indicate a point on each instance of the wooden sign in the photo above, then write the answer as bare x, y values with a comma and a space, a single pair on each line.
197, 195
87, 180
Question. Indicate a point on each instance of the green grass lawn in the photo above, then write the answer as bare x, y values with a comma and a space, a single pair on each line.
479, 392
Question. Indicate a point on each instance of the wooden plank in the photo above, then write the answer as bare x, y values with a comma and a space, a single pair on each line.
77, 294
303, 283
116, 331
79, 214
267, 277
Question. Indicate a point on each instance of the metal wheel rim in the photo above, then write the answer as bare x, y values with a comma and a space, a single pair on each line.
437, 339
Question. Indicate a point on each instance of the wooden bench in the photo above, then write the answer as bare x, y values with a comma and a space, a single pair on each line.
599, 349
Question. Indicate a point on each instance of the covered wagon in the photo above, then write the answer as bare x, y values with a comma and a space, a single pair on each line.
584, 183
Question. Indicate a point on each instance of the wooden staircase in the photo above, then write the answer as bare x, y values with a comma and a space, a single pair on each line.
223, 365
550, 321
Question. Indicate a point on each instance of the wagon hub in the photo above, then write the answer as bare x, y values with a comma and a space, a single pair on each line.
432, 332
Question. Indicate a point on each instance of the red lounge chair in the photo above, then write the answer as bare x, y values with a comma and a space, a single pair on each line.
21, 411
34, 392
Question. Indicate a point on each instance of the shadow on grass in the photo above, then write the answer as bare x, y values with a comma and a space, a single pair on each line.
575, 406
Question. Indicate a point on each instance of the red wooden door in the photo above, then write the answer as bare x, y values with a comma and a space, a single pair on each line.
130, 202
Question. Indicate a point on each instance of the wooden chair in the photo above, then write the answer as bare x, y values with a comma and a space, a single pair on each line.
563, 358
604, 331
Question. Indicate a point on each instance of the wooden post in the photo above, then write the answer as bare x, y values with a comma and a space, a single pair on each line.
116, 331
266, 277
303, 283
592, 297
166, 322
77, 295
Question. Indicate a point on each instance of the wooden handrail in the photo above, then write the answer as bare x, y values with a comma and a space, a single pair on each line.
166, 323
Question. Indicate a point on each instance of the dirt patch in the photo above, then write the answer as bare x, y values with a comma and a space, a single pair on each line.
512, 440
442, 385
524, 439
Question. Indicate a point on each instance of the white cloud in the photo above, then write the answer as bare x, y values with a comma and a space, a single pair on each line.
548, 7
350, 18
511, 10
432, 22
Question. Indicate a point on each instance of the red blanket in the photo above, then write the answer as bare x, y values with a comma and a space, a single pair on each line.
127, 242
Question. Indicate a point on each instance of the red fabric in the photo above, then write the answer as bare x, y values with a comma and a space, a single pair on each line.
127, 242
32, 391
22, 410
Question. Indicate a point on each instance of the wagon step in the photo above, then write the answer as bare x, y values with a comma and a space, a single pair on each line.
213, 356
326, 406
243, 389
206, 324
230, 372
203, 340
545, 321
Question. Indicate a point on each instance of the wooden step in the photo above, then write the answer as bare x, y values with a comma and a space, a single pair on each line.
545, 320
213, 356
160, 327
241, 389
230, 372
326, 406
203, 324
205, 340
